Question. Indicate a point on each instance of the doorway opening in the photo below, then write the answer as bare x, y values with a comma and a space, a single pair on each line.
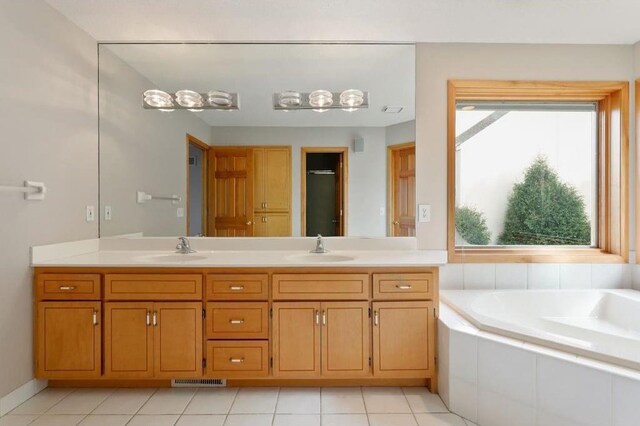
401, 187
324, 191
196, 205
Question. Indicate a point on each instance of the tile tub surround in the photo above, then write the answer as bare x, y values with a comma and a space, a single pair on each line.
231, 406
496, 381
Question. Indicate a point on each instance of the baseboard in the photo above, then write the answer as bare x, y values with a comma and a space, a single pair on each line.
20, 395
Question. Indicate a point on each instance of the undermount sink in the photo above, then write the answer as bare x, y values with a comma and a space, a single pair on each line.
321, 257
170, 258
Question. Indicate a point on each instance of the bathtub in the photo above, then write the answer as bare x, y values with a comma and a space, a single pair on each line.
599, 324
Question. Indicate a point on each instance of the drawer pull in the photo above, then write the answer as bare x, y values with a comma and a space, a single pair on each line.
95, 317
236, 360
403, 286
155, 318
375, 318
324, 318
317, 317
236, 321
148, 318
67, 287
236, 287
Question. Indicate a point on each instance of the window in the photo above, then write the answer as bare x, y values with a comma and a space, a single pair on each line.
537, 172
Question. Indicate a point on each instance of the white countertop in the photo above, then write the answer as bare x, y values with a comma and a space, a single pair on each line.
247, 258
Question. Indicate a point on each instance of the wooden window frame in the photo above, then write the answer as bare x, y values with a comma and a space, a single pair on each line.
613, 168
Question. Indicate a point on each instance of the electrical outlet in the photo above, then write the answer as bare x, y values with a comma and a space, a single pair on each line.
180, 212
91, 213
424, 213
107, 212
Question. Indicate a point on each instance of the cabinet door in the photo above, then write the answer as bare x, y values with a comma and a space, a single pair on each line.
296, 339
403, 339
277, 181
259, 198
272, 225
345, 339
128, 340
178, 340
68, 340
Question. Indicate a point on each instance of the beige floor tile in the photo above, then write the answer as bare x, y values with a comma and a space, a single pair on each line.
342, 401
423, 401
124, 401
392, 420
106, 420
201, 420
249, 420
82, 401
154, 420
58, 420
344, 420
42, 402
168, 401
296, 420
255, 401
17, 420
212, 401
439, 419
385, 400
299, 401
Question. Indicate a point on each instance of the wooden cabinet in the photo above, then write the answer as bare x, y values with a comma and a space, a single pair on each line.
272, 191
237, 287
313, 339
272, 224
238, 320
68, 341
403, 286
68, 286
305, 286
145, 340
238, 359
153, 287
403, 339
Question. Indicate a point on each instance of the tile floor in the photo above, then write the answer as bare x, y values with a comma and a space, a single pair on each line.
234, 407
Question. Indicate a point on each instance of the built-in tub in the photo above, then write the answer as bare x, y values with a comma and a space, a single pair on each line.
598, 324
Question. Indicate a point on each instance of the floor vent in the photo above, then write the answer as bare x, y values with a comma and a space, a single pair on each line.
198, 383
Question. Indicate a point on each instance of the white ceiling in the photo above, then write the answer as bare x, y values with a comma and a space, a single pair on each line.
497, 21
257, 71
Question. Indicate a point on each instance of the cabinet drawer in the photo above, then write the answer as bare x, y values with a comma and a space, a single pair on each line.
153, 287
68, 287
321, 286
237, 287
238, 320
237, 359
403, 286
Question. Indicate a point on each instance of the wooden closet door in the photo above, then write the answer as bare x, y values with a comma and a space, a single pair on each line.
128, 340
403, 339
231, 192
69, 340
404, 192
277, 180
296, 339
345, 339
178, 340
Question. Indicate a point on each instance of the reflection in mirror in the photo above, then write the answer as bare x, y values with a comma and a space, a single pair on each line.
278, 140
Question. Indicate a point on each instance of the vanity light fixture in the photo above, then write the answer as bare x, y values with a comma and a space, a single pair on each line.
321, 100
158, 99
218, 98
191, 100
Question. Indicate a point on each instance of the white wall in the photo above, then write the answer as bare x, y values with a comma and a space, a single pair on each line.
437, 63
367, 170
141, 150
49, 121
401, 133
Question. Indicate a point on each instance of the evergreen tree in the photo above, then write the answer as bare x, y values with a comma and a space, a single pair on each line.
472, 226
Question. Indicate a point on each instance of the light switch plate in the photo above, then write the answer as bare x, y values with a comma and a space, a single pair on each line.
107, 212
424, 213
91, 213
180, 212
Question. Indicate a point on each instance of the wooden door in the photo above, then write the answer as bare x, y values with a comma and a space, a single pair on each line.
402, 190
178, 339
345, 339
231, 192
340, 197
259, 176
403, 339
128, 340
277, 181
296, 339
68, 340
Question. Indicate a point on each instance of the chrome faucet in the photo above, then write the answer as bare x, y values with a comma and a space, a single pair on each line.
319, 246
184, 247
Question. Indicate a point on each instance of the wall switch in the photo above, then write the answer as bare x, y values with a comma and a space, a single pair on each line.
180, 212
107, 212
424, 213
91, 213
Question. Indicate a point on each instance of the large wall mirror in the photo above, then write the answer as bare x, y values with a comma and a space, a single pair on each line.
262, 140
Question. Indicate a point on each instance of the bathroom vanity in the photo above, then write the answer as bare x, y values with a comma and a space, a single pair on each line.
306, 325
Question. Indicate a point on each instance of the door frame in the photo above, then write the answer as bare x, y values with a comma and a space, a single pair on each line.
390, 182
344, 152
192, 140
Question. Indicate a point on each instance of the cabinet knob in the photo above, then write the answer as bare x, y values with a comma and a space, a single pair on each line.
236, 360
395, 222
403, 286
236, 321
249, 223
67, 287
236, 287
